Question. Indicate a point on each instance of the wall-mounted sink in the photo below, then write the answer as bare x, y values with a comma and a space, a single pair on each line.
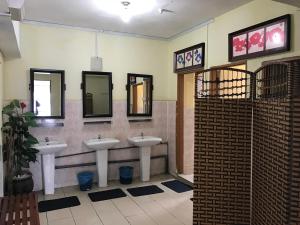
101, 145
47, 150
50, 147
144, 143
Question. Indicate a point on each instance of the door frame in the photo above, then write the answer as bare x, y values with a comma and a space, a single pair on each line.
180, 124
180, 113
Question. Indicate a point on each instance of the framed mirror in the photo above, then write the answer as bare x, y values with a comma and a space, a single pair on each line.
97, 94
139, 94
47, 88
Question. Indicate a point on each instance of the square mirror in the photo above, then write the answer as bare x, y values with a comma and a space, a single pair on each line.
139, 94
47, 88
97, 94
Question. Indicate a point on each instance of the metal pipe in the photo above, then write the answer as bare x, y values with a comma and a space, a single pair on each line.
111, 149
109, 162
5, 14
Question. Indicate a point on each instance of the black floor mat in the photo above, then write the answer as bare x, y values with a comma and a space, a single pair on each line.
146, 190
106, 195
177, 186
61, 203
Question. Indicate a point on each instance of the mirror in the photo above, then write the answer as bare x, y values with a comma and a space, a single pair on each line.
97, 94
47, 89
139, 94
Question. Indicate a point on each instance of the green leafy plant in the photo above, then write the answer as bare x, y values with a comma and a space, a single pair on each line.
18, 142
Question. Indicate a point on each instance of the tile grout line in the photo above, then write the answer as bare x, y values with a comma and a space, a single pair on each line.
96, 212
132, 198
63, 190
120, 211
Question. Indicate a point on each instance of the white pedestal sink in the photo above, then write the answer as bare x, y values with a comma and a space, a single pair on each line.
101, 145
48, 150
145, 143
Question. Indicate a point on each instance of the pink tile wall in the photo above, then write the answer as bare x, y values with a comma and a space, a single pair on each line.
172, 135
74, 133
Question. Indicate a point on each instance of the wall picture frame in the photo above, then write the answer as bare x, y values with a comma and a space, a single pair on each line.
189, 59
267, 38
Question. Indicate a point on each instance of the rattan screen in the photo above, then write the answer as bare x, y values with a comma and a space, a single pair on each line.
266, 111
222, 161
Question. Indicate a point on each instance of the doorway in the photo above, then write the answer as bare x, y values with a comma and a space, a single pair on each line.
185, 120
185, 126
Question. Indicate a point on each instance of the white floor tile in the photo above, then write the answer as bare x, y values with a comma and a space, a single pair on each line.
59, 214
43, 218
127, 206
109, 214
85, 214
167, 208
140, 220
67, 221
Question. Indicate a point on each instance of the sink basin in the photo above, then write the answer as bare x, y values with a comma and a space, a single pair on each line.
101, 144
50, 147
48, 150
144, 141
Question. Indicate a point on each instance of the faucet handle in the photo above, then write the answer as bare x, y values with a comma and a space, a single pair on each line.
99, 136
47, 139
142, 134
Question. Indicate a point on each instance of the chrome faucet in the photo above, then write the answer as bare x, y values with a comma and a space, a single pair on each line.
47, 139
99, 136
142, 135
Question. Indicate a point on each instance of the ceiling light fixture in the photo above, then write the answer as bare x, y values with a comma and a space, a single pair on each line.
126, 9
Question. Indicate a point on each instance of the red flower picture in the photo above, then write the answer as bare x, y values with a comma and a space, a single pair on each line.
256, 41
275, 36
239, 45
266, 38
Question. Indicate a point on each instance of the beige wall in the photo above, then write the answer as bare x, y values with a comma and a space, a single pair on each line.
215, 36
1, 90
1, 104
71, 50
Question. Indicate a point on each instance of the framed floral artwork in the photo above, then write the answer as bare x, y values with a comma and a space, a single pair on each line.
269, 37
189, 59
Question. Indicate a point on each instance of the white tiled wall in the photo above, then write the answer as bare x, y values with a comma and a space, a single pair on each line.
74, 132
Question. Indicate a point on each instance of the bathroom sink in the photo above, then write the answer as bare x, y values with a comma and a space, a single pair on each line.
101, 144
144, 141
47, 150
50, 147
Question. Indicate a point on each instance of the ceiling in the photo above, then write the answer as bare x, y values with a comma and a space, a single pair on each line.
86, 14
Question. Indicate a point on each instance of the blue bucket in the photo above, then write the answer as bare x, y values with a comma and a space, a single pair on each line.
126, 174
85, 180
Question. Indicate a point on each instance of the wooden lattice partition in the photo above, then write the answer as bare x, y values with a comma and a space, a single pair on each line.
276, 146
247, 146
222, 169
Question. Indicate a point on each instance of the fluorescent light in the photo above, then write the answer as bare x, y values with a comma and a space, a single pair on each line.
126, 9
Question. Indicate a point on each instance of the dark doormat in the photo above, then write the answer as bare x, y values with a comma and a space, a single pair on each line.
146, 190
106, 195
177, 186
61, 203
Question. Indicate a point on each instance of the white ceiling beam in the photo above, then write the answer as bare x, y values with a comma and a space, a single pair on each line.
295, 3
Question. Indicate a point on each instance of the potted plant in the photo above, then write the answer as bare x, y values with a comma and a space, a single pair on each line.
18, 147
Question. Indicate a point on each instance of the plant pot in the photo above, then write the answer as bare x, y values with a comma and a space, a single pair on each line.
23, 184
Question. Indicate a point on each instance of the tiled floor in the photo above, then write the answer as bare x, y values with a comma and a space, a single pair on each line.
168, 208
188, 177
